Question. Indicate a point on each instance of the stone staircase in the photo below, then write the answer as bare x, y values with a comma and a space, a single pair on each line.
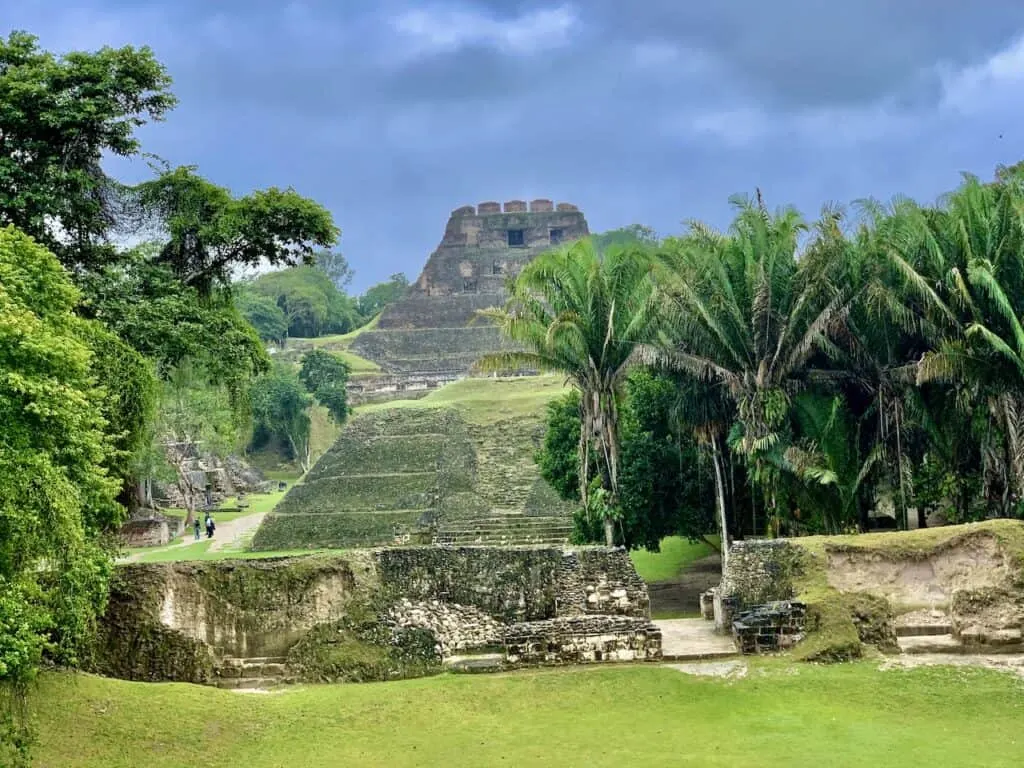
505, 530
251, 673
935, 635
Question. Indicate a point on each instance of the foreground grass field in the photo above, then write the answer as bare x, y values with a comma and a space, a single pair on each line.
851, 715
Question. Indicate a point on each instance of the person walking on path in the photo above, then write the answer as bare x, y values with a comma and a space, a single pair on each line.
195, 527
210, 527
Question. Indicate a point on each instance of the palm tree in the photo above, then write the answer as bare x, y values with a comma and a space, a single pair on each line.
757, 318
962, 265
583, 314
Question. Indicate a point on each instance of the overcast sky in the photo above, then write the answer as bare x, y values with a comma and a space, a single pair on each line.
393, 113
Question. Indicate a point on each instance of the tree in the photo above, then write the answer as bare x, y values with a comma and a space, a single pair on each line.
381, 295
662, 491
280, 408
311, 304
752, 319
326, 376
336, 267
195, 418
584, 315
56, 498
634, 234
210, 232
129, 396
170, 323
962, 271
264, 315
58, 117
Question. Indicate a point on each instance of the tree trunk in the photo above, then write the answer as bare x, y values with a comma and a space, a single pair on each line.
720, 493
609, 531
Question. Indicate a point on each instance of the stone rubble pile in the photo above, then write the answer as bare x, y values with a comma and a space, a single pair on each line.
456, 627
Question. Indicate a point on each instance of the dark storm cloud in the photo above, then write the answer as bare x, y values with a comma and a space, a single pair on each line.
392, 113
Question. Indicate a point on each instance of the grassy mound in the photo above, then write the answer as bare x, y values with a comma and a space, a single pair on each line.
399, 470
843, 716
844, 622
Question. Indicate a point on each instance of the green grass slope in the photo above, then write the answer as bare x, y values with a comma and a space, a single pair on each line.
404, 469
842, 717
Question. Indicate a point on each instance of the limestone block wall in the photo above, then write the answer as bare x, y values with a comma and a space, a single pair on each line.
182, 621
582, 639
760, 571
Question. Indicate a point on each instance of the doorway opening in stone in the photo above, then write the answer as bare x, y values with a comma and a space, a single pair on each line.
515, 237
556, 236
679, 597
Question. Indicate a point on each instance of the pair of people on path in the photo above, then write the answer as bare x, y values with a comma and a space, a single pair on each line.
210, 527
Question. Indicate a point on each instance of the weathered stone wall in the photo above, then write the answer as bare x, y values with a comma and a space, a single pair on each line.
582, 639
152, 531
185, 621
600, 581
760, 571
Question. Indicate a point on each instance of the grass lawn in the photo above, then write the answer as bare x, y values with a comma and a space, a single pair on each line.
676, 553
201, 551
850, 715
487, 400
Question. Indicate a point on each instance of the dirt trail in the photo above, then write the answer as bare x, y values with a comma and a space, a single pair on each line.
228, 534
682, 594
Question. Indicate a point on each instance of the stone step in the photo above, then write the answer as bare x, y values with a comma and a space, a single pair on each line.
504, 532
511, 521
241, 661
923, 630
916, 644
479, 662
509, 542
698, 655
501, 533
252, 683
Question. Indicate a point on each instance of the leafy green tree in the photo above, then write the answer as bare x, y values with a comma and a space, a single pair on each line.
130, 390
662, 489
170, 323
311, 304
634, 234
336, 267
381, 295
326, 375
280, 407
264, 315
56, 498
585, 315
210, 232
195, 418
59, 115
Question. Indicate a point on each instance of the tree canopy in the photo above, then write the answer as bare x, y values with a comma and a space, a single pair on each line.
59, 115
56, 496
210, 232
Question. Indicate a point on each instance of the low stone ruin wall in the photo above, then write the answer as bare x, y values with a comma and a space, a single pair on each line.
153, 531
865, 590
534, 605
770, 627
582, 639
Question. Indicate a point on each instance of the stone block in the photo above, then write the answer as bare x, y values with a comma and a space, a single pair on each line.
541, 206
515, 206
488, 207
566, 207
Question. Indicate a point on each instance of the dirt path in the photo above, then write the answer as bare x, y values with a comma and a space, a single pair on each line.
227, 534
682, 594
231, 534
